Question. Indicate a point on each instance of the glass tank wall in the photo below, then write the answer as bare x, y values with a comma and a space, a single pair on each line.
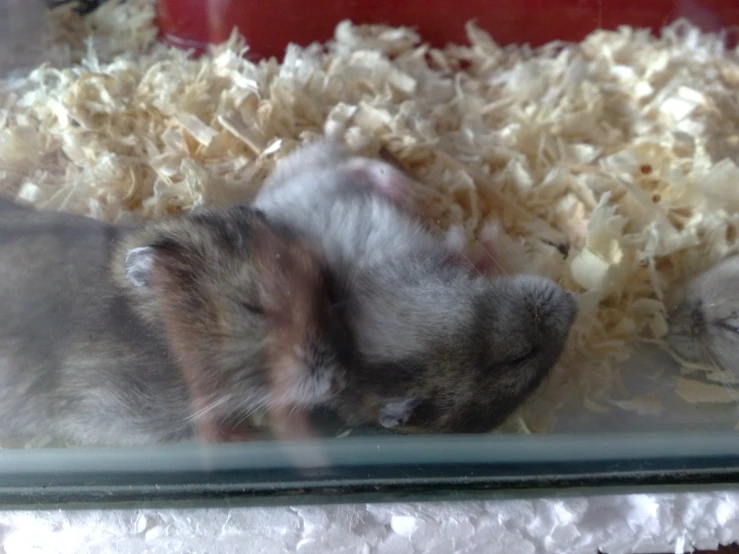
299, 252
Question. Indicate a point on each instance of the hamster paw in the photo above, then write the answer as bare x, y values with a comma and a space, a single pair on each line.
396, 413
486, 257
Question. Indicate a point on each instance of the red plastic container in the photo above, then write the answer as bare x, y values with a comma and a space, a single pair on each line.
270, 25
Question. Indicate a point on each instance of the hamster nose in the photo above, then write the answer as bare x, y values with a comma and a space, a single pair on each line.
564, 307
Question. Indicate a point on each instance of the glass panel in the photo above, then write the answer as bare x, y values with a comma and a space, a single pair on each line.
382, 252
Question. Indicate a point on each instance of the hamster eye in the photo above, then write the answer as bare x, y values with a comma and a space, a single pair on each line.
333, 287
253, 308
522, 356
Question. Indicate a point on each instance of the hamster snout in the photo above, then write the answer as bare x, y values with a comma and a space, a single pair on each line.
207, 324
526, 321
551, 309
476, 371
522, 327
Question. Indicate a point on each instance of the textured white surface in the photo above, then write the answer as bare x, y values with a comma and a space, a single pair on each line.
611, 524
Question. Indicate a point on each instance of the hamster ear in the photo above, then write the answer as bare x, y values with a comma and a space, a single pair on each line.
140, 263
398, 412
487, 257
138, 266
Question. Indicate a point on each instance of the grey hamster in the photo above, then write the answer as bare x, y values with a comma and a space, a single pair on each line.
176, 329
439, 348
704, 327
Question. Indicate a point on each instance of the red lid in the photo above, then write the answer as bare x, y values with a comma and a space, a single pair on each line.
270, 25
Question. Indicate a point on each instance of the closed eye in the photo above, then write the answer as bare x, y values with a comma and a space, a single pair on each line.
522, 356
253, 308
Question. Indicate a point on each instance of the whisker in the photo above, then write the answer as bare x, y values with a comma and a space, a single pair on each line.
243, 414
208, 408
728, 376
711, 367
491, 256
249, 409
248, 414
471, 264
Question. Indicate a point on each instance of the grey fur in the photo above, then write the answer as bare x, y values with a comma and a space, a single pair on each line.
423, 326
100, 323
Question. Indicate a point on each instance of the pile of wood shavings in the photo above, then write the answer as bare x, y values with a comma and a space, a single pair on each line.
611, 163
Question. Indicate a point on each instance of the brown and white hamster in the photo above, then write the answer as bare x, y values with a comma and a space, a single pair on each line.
704, 327
179, 328
439, 348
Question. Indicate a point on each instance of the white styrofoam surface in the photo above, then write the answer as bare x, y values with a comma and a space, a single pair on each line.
611, 524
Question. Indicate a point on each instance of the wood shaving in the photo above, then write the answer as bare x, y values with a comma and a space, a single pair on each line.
646, 405
611, 163
696, 392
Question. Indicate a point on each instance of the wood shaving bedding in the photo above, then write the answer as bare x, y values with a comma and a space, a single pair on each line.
611, 163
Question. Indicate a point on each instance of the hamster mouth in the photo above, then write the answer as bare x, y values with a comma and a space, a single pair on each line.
561, 311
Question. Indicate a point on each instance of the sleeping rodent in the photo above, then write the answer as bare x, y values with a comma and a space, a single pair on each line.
177, 329
440, 348
704, 327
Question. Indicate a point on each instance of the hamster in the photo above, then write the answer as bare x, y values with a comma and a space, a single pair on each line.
439, 348
177, 329
704, 327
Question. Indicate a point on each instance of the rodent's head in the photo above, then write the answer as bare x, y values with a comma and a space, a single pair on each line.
478, 373
704, 326
246, 307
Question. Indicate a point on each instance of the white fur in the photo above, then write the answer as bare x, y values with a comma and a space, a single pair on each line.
138, 265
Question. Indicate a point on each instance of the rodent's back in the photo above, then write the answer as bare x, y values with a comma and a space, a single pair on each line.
69, 339
398, 283
349, 225
42, 256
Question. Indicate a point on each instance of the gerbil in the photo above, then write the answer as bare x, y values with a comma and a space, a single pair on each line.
440, 349
704, 327
178, 328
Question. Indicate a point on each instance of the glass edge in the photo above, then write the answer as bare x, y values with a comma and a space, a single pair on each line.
380, 451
